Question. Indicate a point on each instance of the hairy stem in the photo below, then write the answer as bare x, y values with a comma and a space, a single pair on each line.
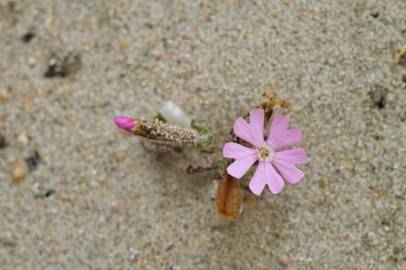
163, 133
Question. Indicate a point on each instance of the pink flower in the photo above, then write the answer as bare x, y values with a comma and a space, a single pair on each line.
124, 122
275, 165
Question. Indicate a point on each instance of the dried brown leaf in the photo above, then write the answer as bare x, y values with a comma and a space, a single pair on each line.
229, 199
273, 100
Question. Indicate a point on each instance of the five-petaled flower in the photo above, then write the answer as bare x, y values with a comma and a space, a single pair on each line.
276, 164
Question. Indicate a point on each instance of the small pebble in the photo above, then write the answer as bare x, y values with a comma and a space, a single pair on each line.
44, 194
33, 161
27, 37
174, 114
22, 138
19, 172
378, 96
375, 14
31, 62
63, 66
124, 44
4, 95
400, 56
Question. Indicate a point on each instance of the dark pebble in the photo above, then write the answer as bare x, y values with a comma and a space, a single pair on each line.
378, 96
44, 195
63, 66
33, 161
375, 14
26, 38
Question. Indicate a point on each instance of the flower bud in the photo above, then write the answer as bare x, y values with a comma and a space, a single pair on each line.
124, 122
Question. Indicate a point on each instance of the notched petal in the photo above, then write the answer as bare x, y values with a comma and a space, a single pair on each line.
244, 131
289, 172
235, 150
240, 166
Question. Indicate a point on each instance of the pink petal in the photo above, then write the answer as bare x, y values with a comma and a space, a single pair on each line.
290, 137
292, 156
257, 123
235, 150
240, 166
125, 122
277, 130
245, 132
258, 183
288, 171
266, 175
275, 181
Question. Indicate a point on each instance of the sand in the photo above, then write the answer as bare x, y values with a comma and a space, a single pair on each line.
94, 198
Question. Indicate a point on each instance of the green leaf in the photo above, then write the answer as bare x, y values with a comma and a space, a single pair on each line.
201, 130
250, 173
160, 118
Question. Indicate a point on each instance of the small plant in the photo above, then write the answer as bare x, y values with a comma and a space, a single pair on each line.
265, 161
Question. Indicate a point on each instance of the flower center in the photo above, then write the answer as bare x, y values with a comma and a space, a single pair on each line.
264, 153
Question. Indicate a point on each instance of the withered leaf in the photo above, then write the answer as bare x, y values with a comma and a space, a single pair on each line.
229, 199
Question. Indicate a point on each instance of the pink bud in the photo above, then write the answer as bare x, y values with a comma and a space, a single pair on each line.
124, 122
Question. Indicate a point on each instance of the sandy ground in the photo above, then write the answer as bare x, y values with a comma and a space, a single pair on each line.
94, 198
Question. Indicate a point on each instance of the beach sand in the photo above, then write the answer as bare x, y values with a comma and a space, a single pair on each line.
88, 196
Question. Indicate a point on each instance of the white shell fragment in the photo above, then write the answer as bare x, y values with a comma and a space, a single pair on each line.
174, 114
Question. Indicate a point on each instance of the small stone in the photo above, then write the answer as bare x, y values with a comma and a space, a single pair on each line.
378, 96
174, 114
4, 95
63, 66
19, 172
400, 56
42, 194
22, 138
375, 14
33, 160
124, 44
27, 37
31, 62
